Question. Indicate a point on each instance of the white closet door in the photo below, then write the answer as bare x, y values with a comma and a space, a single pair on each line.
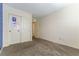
26, 29
14, 29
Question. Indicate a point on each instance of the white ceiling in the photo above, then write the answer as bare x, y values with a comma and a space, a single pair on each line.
37, 9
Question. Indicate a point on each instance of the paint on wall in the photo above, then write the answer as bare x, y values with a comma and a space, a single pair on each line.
1, 24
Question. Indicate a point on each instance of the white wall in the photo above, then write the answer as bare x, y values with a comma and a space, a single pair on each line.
27, 23
62, 26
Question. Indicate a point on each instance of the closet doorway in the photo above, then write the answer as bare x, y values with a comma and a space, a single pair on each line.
14, 28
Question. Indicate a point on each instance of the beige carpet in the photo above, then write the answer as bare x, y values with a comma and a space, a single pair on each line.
39, 47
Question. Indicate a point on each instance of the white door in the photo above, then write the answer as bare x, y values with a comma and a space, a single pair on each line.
14, 29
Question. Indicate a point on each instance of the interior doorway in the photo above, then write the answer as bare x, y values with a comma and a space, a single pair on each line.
33, 29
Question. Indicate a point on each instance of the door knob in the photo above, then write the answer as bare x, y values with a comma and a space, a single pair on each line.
18, 30
9, 30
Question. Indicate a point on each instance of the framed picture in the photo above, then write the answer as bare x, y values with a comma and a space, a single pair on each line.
14, 20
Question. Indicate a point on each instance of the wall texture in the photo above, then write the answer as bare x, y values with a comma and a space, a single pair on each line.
26, 30
62, 26
1, 24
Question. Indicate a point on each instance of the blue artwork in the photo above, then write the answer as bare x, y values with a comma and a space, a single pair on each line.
14, 20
